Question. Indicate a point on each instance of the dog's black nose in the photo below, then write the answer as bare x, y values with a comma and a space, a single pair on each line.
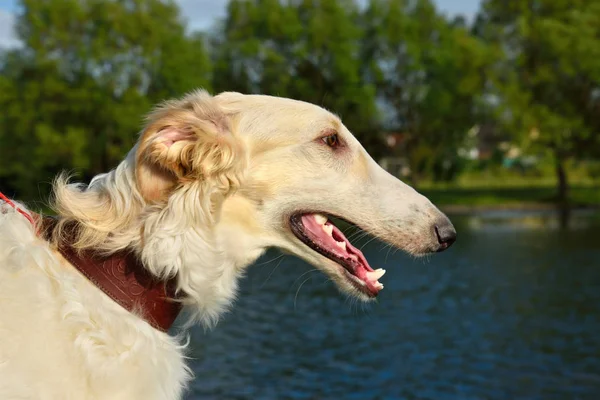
446, 234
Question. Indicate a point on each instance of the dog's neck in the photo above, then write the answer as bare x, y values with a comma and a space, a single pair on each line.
177, 238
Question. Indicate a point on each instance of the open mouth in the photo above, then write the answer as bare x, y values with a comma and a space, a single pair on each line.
320, 234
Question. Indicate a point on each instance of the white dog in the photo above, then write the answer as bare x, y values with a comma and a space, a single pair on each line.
212, 183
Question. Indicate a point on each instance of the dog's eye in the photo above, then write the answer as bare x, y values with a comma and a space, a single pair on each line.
332, 140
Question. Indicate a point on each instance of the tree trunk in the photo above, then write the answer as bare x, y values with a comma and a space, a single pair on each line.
562, 194
562, 181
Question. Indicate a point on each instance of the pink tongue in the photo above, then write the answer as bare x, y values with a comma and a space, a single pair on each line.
323, 239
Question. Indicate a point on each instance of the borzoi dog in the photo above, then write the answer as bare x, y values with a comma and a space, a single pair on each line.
86, 298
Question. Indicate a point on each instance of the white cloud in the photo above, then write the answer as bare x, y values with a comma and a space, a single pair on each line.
7, 32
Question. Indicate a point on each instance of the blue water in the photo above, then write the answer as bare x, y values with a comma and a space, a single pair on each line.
511, 311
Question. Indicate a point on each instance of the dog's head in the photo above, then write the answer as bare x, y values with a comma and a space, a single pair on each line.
269, 171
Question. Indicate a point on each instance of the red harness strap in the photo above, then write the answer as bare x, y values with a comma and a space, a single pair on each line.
13, 205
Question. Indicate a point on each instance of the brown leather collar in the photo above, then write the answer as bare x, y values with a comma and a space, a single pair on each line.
123, 278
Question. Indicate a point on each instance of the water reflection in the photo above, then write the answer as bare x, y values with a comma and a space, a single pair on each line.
530, 220
512, 311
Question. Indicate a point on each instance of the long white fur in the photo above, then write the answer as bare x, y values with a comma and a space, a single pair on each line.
203, 209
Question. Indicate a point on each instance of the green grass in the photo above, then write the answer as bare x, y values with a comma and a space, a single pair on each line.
509, 196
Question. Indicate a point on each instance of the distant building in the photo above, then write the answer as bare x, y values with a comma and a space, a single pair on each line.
481, 142
396, 163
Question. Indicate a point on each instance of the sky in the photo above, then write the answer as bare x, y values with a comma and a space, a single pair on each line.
201, 13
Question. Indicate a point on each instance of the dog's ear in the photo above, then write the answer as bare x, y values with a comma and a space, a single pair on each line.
187, 140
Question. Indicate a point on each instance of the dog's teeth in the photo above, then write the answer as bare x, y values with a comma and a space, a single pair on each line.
320, 219
328, 229
375, 275
341, 245
378, 286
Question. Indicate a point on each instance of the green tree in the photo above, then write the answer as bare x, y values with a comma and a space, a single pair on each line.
548, 82
303, 49
430, 76
75, 92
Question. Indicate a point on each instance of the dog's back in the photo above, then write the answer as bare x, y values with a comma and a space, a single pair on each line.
61, 338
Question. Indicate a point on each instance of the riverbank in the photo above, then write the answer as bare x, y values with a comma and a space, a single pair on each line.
524, 198
459, 209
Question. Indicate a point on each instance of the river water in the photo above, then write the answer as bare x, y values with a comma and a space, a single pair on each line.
511, 311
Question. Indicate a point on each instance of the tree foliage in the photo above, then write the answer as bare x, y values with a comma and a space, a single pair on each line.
429, 72
548, 80
72, 95
304, 49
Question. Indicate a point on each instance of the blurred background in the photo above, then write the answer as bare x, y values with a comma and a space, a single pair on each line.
491, 108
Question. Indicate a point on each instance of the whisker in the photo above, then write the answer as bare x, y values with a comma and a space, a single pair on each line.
352, 230
307, 272
388, 253
358, 232
369, 241
298, 291
271, 260
271, 274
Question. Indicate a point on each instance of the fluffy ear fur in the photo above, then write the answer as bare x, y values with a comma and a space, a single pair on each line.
184, 141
